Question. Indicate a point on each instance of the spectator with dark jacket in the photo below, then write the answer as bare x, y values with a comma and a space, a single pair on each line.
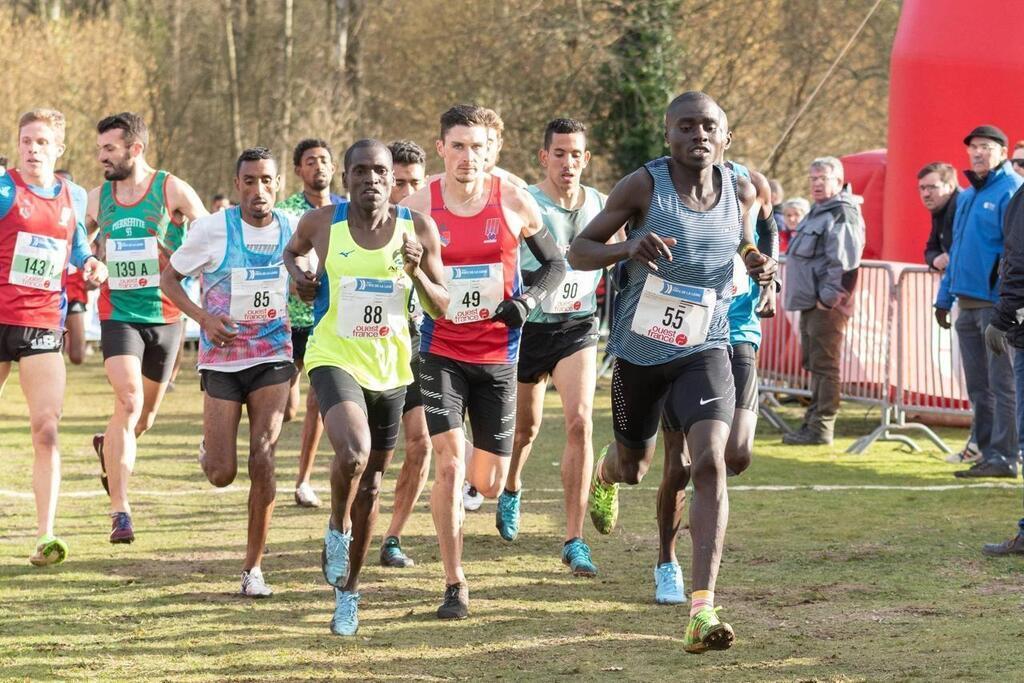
1007, 328
936, 183
822, 263
971, 279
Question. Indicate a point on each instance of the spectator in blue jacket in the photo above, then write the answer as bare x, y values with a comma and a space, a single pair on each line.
972, 280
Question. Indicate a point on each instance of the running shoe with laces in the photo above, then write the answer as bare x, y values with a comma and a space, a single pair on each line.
604, 500
506, 518
345, 621
576, 556
121, 530
471, 498
97, 445
705, 632
305, 496
668, 584
334, 558
456, 602
391, 554
969, 455
49, 550
253, 585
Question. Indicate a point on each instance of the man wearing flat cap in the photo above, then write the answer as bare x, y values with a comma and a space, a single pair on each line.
972, 280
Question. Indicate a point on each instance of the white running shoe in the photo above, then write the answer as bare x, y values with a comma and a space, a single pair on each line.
471, 498
253, 585
969, 455
305, 496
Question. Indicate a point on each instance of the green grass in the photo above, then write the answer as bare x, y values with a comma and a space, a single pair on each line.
854, 585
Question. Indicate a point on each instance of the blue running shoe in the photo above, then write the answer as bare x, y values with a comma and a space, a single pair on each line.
346, 613
334, 558
507, 516
668, 584
576, 554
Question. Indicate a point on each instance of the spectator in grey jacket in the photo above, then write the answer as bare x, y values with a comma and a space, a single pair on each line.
821, 273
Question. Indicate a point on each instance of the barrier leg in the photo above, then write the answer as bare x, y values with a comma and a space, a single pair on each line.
766, 410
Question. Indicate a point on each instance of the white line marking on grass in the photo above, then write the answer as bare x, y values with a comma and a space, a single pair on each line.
816, 488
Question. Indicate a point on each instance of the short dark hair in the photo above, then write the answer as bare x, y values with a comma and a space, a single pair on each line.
219, 197
463, 115
254, 154
4, 161
947, 173
562, 127
130, 124
306, 145
362, 144
407, 153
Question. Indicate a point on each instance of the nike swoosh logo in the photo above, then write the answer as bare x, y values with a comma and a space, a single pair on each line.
346, 253
704, 403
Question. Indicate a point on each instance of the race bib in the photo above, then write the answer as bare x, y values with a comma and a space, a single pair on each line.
740, 279
134, 263
38, 261
678, 315
370, 308
475, 292
571, 294
415, 309
258, 294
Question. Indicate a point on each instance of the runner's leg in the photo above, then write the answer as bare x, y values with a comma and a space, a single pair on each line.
529, 413
119, 447
349, 433
709, 510
672, 495
446, 500
43, 378
575, 379
291, 411
312, 431
74, 343
266, 408
218, 456
414, 472
364, 513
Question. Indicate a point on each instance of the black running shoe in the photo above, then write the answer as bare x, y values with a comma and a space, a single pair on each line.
456, 602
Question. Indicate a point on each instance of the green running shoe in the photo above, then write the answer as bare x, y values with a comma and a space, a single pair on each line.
576, 555
705, 632
49, 550
604, 501
506, 519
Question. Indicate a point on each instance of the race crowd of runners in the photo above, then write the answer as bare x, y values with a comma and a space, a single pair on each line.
412, 304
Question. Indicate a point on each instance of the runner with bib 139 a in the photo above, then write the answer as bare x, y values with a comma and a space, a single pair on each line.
245, 344
42, 229
559, 343
468, 355
371, 255
140, 213
687, 217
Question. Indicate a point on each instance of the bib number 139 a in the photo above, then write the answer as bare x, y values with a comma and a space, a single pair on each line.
674, 314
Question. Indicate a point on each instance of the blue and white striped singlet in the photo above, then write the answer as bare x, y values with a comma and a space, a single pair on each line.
702, 257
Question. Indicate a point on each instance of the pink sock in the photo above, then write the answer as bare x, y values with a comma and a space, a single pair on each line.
701, 599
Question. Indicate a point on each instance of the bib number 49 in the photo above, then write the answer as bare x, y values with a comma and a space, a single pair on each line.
471, 299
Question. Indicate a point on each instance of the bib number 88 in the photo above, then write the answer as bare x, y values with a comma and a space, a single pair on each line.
373, 314
673, 317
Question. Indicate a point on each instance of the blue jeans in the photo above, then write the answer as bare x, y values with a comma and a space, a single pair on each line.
990, 387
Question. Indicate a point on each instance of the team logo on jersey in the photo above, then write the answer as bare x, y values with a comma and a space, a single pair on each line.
446, 236
491, 230
5, 191
397, 261
65, 216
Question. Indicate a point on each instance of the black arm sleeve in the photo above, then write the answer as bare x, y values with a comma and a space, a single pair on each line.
552, 265
1011, 285
933, 248
768, 237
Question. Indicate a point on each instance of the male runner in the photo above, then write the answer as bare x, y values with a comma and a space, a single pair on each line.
245, 345
749, 303
313, 162
559, 341
495, 140
371, 255
468, 355
670, 334
77, 300
42, 228
410, 174
140, 213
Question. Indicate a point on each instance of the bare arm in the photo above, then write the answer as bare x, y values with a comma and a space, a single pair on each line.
306, 282
420, 199
183, 200
759, 266
425, 268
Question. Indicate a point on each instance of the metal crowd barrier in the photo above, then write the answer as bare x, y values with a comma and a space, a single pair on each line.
894, 356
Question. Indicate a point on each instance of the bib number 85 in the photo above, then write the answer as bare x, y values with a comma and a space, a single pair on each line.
673, 317
261, 299
373, 314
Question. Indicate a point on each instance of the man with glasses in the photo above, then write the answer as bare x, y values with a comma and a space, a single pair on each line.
936, 184
972, 280
1018, 158
821, 274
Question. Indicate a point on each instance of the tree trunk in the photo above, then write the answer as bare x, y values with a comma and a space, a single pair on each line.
229, 36
286, 78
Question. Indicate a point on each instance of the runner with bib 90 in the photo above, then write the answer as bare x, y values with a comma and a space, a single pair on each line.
686, 216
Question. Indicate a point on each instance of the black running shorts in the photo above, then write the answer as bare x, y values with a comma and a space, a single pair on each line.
383, 409
155, 345
683, 391
236, 386
744, 375
300, 335
543, 345
413, 397
451, 388
17, 341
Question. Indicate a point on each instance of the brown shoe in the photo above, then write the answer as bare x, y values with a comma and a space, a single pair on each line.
1014, 546
806, 438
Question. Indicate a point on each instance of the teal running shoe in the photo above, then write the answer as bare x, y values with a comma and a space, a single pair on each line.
668, 584
346, 613
507, 516
391, 554
334, 558
576, 554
